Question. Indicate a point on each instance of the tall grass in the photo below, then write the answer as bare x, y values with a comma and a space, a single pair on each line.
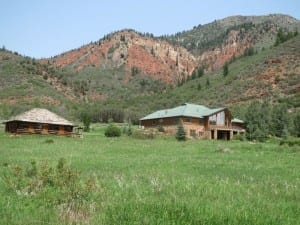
160, 180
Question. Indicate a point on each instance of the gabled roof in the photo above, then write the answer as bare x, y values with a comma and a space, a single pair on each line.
186, 109
38, 115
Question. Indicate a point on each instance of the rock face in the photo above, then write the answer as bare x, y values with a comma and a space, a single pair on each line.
170, 59
149, 56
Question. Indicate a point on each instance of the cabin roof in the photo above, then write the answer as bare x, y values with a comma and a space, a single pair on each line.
38, 115
186, 109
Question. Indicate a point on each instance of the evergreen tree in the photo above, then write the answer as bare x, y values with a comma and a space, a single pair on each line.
200, 72
225, 69
180, 135
280, 121
199, 87
265, 117
86, 120
253, 120
207, 82
297, 124
194, 75
152, 51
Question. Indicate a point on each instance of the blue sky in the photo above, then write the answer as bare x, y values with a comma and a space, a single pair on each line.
44, 28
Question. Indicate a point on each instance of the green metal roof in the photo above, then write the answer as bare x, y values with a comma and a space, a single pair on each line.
186, 109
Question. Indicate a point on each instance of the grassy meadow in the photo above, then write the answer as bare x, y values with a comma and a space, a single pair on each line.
160, 181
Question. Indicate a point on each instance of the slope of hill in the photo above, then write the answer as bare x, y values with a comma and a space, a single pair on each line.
225, 39
24, 83
272, 74
140, 73
134, 54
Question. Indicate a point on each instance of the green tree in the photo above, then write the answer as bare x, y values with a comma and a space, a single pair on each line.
280, 121
152, 51
86, 120
199, 87
180, 134
200, 72
207, 82
112, 131
296, 122
225, 69
194, 75
265, 118
128, 129
253, 121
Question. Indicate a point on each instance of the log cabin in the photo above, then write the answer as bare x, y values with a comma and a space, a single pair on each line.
39, 121
197, 120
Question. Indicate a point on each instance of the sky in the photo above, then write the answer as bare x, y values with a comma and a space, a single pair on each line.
45, 28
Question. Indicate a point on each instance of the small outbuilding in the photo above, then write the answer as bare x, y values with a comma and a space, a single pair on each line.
39, 121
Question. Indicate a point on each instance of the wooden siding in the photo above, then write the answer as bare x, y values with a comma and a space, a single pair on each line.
20, 127
195, 127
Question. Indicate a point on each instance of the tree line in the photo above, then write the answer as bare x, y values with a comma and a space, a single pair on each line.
264, 120
94, 114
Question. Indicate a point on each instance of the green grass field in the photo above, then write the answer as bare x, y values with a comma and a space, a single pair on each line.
159, 181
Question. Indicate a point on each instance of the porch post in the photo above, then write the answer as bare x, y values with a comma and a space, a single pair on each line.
215, 134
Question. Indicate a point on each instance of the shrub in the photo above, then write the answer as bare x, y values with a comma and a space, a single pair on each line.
180, 135
144, 134
127, 129
161, 129
72, 194
290, 142
239, 137
112, 131
49, 141
225, 69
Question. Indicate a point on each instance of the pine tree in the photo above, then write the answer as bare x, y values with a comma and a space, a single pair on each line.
207, 82
265, 117
86, 120
180, 135
200, 72
225, 69
199, 87
253, 121
297, 124
280, 121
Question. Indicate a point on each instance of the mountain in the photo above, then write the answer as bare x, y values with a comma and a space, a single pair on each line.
135, 52
139, 73
220, 41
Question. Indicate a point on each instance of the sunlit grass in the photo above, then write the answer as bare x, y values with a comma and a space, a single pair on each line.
162, 181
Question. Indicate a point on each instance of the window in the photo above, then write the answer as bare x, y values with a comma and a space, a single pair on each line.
154, 122
213, 120
53, 127
37, 126
192, 133
201, 121
22, 125
221, 118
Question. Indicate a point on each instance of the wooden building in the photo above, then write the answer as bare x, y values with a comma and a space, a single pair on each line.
198, 121
39, 121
